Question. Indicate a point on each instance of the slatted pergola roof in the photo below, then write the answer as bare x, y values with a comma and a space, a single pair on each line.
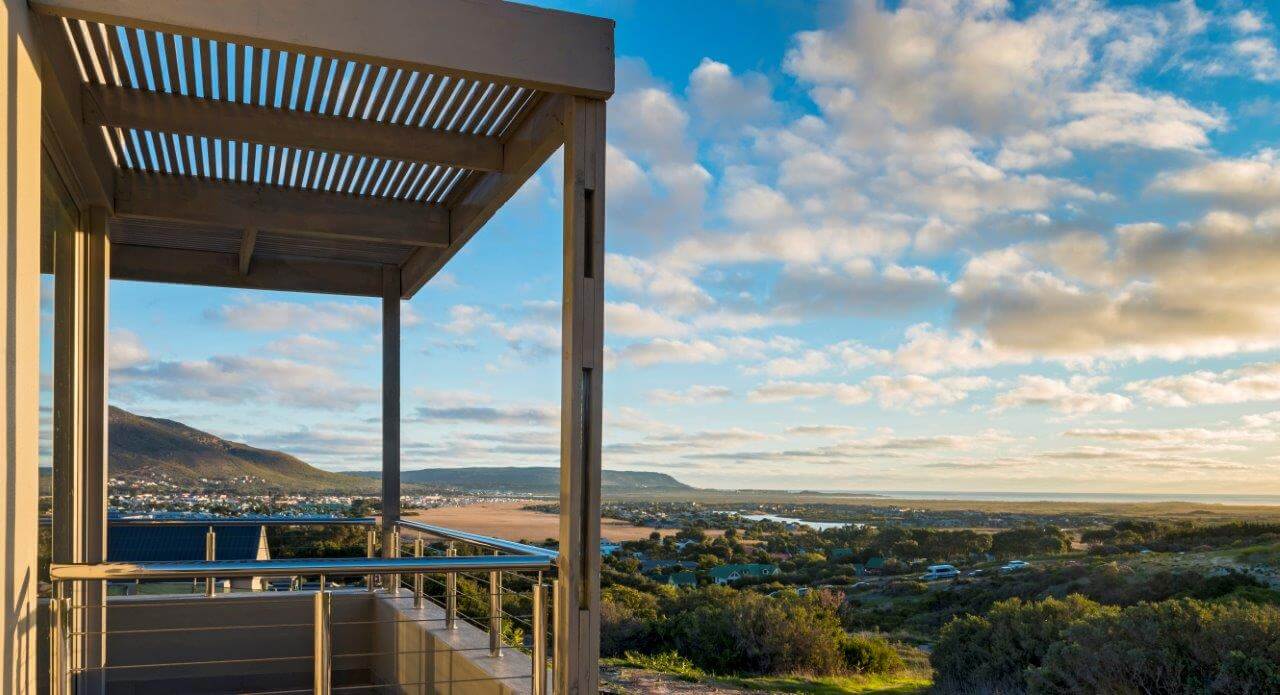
248, 144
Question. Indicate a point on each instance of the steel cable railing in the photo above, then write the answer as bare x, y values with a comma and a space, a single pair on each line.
448, 589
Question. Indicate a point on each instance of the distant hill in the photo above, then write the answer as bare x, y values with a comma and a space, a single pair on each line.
145, 446
536, 480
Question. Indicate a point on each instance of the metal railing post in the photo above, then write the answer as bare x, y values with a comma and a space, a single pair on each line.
323, 665
557, 654
210, 554
370, 540
495, 614
393, 580
417, 578
539, 628
451, 592
59, 645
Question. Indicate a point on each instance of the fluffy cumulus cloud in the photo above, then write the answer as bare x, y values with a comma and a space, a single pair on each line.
1200, 288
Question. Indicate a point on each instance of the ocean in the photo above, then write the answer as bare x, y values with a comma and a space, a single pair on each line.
1100, 497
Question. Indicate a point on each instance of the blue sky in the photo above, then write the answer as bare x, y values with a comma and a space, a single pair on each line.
914, 245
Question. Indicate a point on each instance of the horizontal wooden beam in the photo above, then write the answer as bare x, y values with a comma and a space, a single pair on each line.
286, 210
530, 144
499, 41
175, 113
179, 266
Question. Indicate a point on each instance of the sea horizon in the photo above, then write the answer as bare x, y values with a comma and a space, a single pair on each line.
1113, 497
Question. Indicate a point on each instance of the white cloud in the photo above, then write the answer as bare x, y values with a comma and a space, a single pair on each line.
460, 406
695, 394
915, 391
784, 391
724, 100
809, 362
1251, 183
125, 349
631, 320
243, 379
250, 314
1075, 396
1255, 382
928, 349
668, 351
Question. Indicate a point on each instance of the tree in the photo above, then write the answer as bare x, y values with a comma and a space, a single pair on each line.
1030, 540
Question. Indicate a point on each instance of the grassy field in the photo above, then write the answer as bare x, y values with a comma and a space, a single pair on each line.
910, 682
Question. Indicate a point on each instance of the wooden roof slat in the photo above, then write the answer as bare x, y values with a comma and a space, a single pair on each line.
539, 134
188, 115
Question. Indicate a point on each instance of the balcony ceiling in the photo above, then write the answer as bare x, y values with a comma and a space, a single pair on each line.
231, 149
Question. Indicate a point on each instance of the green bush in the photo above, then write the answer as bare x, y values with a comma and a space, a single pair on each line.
871, 654
627, 617
1175, 647
724, 630
992, 653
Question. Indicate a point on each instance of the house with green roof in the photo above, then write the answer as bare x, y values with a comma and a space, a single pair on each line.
682, 579
873, 565
732, 573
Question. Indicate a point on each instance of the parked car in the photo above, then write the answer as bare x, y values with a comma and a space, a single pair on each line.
940, 572
1014, 566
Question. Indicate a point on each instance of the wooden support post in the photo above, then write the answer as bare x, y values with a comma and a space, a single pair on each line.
577, 630
390, 407
20, 221
81, 262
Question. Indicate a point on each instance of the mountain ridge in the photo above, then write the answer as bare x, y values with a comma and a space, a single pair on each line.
530, 479
141, 447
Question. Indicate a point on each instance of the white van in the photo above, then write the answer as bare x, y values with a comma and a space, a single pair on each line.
940, 572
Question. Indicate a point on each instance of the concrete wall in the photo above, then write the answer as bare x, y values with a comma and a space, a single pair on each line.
421, 657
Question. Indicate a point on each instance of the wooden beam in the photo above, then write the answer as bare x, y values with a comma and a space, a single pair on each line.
530, 144
89, 167
82, 257
390, 404
577, 629
174, 113
499, 41
154, 264
20, 222
247, 241
286, 210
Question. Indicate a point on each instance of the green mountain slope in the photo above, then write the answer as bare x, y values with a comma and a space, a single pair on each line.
146, 446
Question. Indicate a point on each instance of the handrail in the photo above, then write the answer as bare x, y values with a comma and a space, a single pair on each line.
482, 541
236, 521
314, 566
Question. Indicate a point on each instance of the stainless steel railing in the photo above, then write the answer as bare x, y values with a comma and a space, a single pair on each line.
498, 618
432, 555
